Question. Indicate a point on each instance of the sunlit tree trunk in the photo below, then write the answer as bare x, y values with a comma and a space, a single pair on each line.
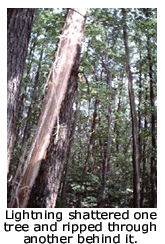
70, 41
19, 24
45, 189
91, 139
136, 181
145, 182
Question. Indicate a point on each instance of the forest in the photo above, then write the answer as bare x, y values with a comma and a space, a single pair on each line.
82, 108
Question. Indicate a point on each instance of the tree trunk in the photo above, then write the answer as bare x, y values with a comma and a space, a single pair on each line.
28, 125
45, 189
69, 44
144, 189
91, 140
68, 157
153, 133
139, 111
153, 120
19, 24
136, 182
106, 160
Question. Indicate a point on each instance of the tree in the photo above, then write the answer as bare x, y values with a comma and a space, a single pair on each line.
134, 119
89, 159
45, 189
70, 40
68, 157
148, 13
19, 24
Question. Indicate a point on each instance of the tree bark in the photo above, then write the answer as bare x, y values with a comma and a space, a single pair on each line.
69, 43
153, 119
136, 181
68, 157
106, 160
45, 189
153, 134
139, 110
19, 24
26, 126
144, 188
91, 140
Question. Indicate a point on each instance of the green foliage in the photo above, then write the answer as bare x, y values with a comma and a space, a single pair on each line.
103, 62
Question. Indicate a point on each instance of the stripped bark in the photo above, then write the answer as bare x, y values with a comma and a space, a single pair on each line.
70, 39
46, 187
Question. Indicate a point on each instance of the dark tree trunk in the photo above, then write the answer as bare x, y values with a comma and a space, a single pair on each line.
144, 189
153, 120
139, 112
28, 125
136, 182
19, 24
68, 157
20, 126
153, 133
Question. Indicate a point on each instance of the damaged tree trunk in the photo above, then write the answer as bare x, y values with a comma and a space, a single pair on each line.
70, 41
45, 190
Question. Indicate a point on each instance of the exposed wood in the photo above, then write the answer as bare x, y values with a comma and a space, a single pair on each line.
45, 189
70, 39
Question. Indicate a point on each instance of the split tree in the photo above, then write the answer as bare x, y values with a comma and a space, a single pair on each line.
89, 160
66, 54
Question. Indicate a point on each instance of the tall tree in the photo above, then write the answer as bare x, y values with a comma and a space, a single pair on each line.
136, 183
148, 14
46, 186
19, 24
103, 143
66, 53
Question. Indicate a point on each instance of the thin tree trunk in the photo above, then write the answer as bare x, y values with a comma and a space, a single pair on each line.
20, 115
144, 174
106, 163
91, 140
136, 182
69, 44
153, 121
87, 167
139, 111
153, 133
19, 24
34, 96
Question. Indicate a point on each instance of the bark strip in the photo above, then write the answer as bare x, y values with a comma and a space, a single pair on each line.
70, 38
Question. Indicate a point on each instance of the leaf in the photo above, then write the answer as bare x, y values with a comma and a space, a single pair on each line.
98, 38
